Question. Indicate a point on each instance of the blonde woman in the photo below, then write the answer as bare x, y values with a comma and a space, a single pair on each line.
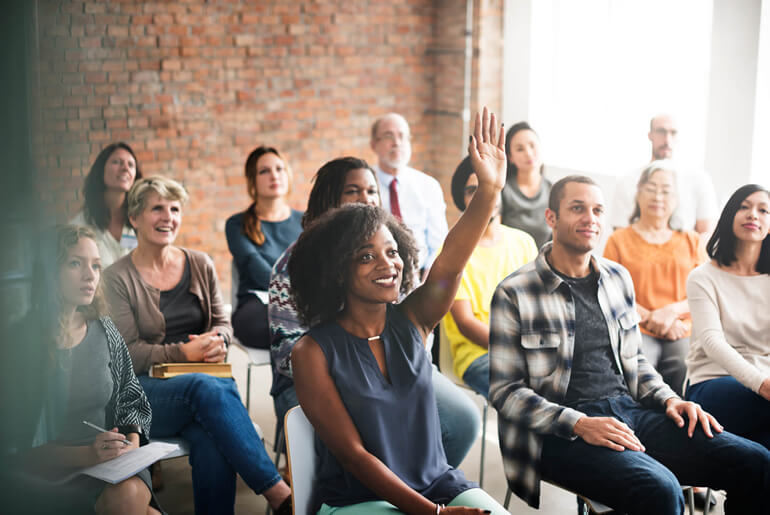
166, 303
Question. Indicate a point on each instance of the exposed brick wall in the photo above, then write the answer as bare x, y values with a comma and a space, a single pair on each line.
194, 85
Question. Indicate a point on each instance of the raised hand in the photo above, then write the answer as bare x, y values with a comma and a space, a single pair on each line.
487, 150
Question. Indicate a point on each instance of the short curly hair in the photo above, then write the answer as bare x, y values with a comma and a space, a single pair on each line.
323, 255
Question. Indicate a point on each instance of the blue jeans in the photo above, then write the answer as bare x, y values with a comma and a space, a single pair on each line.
207, 411
649, 482
739, 409
477, 375
458, 415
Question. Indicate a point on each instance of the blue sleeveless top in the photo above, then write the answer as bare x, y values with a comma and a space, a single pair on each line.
397, 420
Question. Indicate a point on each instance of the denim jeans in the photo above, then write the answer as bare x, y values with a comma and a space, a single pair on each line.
739, 409
458, 415
649, 482
477, 375
207, 411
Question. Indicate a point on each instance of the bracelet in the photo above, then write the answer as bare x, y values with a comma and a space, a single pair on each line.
439, 507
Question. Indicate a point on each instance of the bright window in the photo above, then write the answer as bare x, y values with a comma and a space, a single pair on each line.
600, 69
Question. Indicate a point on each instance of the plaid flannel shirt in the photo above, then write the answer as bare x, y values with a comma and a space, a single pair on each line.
531, 345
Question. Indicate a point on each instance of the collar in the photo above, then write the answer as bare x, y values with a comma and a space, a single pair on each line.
551, 280
386, 178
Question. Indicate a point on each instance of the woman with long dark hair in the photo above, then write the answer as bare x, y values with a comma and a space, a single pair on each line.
361, 373
257, 237
729, 361
104, 201
526, 191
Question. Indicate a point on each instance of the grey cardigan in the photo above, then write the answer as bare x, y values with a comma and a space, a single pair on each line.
134, 306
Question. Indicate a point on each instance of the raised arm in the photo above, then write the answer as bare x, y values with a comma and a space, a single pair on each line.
431, 301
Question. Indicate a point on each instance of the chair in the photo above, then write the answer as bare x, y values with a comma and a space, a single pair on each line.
256, 357
446, 366
302, 459
588, 506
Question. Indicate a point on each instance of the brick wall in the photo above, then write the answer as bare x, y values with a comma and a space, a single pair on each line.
194, 85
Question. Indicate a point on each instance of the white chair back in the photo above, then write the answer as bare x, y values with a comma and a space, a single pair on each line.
302, 458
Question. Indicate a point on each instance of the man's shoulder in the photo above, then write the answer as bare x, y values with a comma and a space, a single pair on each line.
525, 278
420, 177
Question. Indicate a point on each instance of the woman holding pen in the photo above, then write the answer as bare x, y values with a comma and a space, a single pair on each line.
91, 386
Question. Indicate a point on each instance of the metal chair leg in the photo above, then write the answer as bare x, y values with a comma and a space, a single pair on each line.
691, 499
507, 498
280, 447
707, 508
248, 387
483, 443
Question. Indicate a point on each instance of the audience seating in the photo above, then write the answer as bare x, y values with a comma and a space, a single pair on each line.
446, 367
302, 458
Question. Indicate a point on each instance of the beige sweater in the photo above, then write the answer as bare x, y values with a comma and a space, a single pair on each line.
135, 309
730, 326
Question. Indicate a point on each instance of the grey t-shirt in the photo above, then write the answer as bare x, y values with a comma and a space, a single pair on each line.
595, 374
525, 213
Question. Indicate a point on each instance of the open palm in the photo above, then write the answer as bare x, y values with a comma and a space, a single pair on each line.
487, 150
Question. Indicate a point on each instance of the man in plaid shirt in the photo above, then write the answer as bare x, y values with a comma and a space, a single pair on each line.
578, 403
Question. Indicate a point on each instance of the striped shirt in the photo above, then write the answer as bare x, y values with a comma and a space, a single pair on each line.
531, 344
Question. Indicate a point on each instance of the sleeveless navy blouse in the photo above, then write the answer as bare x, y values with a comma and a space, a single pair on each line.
397, 420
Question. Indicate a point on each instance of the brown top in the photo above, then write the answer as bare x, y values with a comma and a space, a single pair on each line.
135, 309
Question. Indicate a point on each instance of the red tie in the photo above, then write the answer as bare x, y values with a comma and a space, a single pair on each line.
395, 207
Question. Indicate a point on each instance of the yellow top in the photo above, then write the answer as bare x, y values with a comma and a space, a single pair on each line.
485, 269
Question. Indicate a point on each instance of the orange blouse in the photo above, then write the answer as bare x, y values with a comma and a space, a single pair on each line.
659, 271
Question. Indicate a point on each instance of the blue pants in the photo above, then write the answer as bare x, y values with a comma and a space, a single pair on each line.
458, 415
649, 482
477, 375
739, 409
207, 411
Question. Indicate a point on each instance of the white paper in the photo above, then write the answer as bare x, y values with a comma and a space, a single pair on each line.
129, 464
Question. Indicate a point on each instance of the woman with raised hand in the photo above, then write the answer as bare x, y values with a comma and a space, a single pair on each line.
728, 365
166, 302
659, 260
90, 379
341, 181
361, 373
526, 191
257, 236
104, 201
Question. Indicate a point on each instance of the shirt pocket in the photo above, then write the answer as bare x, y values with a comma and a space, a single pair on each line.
629, 333
542, 353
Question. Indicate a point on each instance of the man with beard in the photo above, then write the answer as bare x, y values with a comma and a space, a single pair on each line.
697, 204
410, 195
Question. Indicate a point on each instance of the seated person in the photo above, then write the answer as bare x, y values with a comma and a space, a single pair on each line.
659, 260
525, 195
257, 236
729, 360
361, 373
167, 305
579, 405
343, 181
501, 251
104, 201
90, 378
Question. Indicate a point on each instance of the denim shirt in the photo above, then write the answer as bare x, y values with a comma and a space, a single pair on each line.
531, 345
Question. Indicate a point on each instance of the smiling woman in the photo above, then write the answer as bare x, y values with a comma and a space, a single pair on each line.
104, 208
166, 303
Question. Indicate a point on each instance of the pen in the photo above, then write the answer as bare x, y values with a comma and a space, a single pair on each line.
102, 430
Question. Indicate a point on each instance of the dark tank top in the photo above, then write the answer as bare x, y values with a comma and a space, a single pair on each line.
397, 420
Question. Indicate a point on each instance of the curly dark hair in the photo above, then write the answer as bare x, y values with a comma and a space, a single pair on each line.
721, 245
319, 263
328, 183
95, 210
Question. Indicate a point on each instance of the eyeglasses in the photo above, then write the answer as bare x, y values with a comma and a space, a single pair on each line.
393, 137
651, 190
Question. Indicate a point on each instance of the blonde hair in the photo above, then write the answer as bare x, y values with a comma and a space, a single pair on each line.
68, 236
165, 188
